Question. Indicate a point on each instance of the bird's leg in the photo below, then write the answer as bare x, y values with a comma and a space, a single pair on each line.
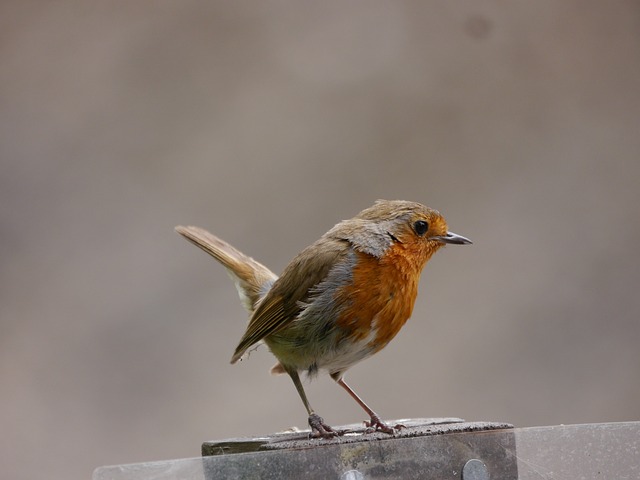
375, 424
316, 422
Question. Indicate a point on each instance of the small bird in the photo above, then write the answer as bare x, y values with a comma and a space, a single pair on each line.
341, 299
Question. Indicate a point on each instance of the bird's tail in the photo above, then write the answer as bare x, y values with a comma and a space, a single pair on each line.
252, 279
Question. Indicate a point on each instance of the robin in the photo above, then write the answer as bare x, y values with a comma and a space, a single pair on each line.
341, 299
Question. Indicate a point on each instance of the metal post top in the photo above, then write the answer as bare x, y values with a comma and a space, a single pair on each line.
356, 433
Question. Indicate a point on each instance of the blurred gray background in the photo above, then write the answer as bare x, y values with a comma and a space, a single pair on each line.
268, 122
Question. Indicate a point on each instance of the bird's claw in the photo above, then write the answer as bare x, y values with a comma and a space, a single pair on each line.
377, 425
319, 429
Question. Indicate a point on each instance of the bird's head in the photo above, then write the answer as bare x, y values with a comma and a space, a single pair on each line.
411, 227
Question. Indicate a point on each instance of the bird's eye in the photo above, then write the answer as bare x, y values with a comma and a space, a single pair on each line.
421, 227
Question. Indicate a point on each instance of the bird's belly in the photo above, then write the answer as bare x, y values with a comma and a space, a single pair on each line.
346, 354
332, 351
318, 345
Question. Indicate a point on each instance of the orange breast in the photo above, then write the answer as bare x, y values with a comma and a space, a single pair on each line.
381, 297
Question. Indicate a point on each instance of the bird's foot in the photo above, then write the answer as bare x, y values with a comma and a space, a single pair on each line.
377, 425
319, 429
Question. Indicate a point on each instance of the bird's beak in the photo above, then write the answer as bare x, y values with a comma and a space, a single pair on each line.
451, 237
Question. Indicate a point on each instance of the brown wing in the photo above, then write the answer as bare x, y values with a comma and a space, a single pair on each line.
283, 302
